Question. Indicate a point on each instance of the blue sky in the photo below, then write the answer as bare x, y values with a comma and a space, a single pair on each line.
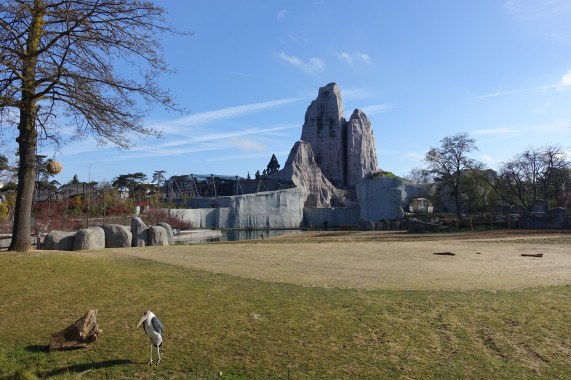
421, 70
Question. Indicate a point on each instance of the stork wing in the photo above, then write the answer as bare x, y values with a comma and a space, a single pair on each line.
157, 325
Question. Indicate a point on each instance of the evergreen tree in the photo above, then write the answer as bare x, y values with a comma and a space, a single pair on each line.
273, 165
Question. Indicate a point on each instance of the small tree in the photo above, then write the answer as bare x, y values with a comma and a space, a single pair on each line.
74, 180
449, 162
273, 165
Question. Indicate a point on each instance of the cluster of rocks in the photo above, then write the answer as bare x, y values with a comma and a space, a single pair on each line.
412, 224
111, 236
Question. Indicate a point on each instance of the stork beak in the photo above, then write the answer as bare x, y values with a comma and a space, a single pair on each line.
142, 320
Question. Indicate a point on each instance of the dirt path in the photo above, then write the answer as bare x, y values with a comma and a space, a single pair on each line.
377, 260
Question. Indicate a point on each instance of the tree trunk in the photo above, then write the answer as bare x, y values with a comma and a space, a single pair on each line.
79, 334
28, 136
26, 182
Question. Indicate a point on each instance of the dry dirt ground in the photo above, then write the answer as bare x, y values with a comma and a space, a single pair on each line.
383, 260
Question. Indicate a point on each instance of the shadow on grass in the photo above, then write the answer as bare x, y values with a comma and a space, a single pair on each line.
37, 348
78, 368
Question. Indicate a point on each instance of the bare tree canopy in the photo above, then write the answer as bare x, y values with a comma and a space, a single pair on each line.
449, 161
68, 59
537, 173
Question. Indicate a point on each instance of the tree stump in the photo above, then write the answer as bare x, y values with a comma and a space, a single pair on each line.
80, 334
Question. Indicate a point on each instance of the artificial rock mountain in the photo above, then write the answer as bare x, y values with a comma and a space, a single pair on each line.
333, 154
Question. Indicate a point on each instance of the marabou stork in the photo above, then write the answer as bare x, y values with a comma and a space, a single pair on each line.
154, 330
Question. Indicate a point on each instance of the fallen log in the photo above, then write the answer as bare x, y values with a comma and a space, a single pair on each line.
445, 253
80, 334
532, 254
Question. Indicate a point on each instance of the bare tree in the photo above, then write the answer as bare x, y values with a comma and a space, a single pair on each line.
449, 162
62, 58
536, 173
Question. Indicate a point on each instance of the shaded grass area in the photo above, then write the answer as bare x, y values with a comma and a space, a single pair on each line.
245, 328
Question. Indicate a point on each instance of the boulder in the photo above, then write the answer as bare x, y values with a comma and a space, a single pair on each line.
139, 232
158, 236
556, 218
366, 225
59, 240
395, 225
170, 233
386, 224
89, 238
117, 236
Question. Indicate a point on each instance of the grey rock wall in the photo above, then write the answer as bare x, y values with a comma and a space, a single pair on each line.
385, 198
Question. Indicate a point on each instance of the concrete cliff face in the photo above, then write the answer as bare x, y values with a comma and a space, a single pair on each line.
301, 169
282, 208
385, 198
344, 151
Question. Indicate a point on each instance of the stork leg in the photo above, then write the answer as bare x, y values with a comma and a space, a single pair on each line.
151, 362
159, 352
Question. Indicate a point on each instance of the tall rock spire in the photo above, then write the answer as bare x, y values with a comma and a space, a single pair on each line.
345, 152
361, 150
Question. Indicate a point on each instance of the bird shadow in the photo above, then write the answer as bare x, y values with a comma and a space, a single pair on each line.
79, 368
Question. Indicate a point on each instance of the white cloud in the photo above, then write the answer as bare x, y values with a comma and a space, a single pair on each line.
496, 131
180, 126
351, 58
566, 80
346, 57
489, 159
377, 109
248, 145
282, 14
415, 155
313, 65
356, 93
365, 58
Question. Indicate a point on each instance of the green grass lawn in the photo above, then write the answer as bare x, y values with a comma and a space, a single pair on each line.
245, 328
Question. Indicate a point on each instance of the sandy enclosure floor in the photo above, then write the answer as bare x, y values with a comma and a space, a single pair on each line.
382, 260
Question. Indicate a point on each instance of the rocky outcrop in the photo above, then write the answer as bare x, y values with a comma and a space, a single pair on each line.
344, 151
301, 169
89, 238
